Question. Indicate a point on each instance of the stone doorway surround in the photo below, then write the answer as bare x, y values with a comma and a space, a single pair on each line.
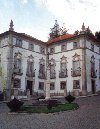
30, 81
93, 86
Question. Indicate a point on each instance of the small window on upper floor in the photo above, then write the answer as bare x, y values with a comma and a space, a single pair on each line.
63, 47
19, 42
31, 47
75, 45
52, 50
92, 47
42, 50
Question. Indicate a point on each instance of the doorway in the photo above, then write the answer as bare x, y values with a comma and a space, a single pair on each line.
93, 86
29, 86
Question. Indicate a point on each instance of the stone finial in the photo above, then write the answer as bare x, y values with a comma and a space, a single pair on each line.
83, 27
11, 26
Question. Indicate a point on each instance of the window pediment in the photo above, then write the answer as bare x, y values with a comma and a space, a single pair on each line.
76, 57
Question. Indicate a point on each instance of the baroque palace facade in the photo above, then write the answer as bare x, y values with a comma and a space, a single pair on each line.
74, 61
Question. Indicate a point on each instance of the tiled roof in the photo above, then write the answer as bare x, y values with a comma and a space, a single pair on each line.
62, 37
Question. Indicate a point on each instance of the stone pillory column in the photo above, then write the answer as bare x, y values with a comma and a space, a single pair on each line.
48, 79
10, 62
84, 78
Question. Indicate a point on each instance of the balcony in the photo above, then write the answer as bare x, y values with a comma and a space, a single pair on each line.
30, 74
75, 73
94, 73
42, 75
18, 71
52, 75
63, 74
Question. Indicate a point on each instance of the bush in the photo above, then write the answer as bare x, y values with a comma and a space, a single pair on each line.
52, 103
70, 98
15, 105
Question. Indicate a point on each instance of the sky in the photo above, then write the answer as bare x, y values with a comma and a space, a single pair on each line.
36, 17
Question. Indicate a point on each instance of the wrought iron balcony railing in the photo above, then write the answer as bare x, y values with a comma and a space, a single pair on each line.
63, 74
30, 74
75, 73
94, 73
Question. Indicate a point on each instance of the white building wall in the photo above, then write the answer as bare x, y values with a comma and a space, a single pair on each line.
36, 57
57, 57
89, 54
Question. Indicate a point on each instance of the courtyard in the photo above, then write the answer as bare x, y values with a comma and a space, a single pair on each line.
86, 117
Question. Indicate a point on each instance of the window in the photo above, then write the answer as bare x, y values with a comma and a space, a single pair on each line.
17, 63
30, 66
52, 69
42, 69
75, 45
63, 85
76, 65
41, 85
92, 47
52, 50
42, 50
17, 83
93, 72
63, 47
19, 42
76, 84
52, 86
31, 47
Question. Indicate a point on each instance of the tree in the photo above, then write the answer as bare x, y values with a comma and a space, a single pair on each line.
97, 35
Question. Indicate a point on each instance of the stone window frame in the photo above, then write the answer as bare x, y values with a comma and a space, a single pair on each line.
92, 61
76, 58
42, 50
52, 63
18, 42
19, 60
76, 84
31, 46
63, 60
52, 85
30, 60
18, 83
63, 47
63, 87
52, 50
42, 61
92, 47
42, 72
41, 86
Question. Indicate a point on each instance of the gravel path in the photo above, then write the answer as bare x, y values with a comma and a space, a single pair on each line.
86, 117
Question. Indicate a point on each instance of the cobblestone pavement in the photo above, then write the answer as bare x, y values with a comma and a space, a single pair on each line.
86, 117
